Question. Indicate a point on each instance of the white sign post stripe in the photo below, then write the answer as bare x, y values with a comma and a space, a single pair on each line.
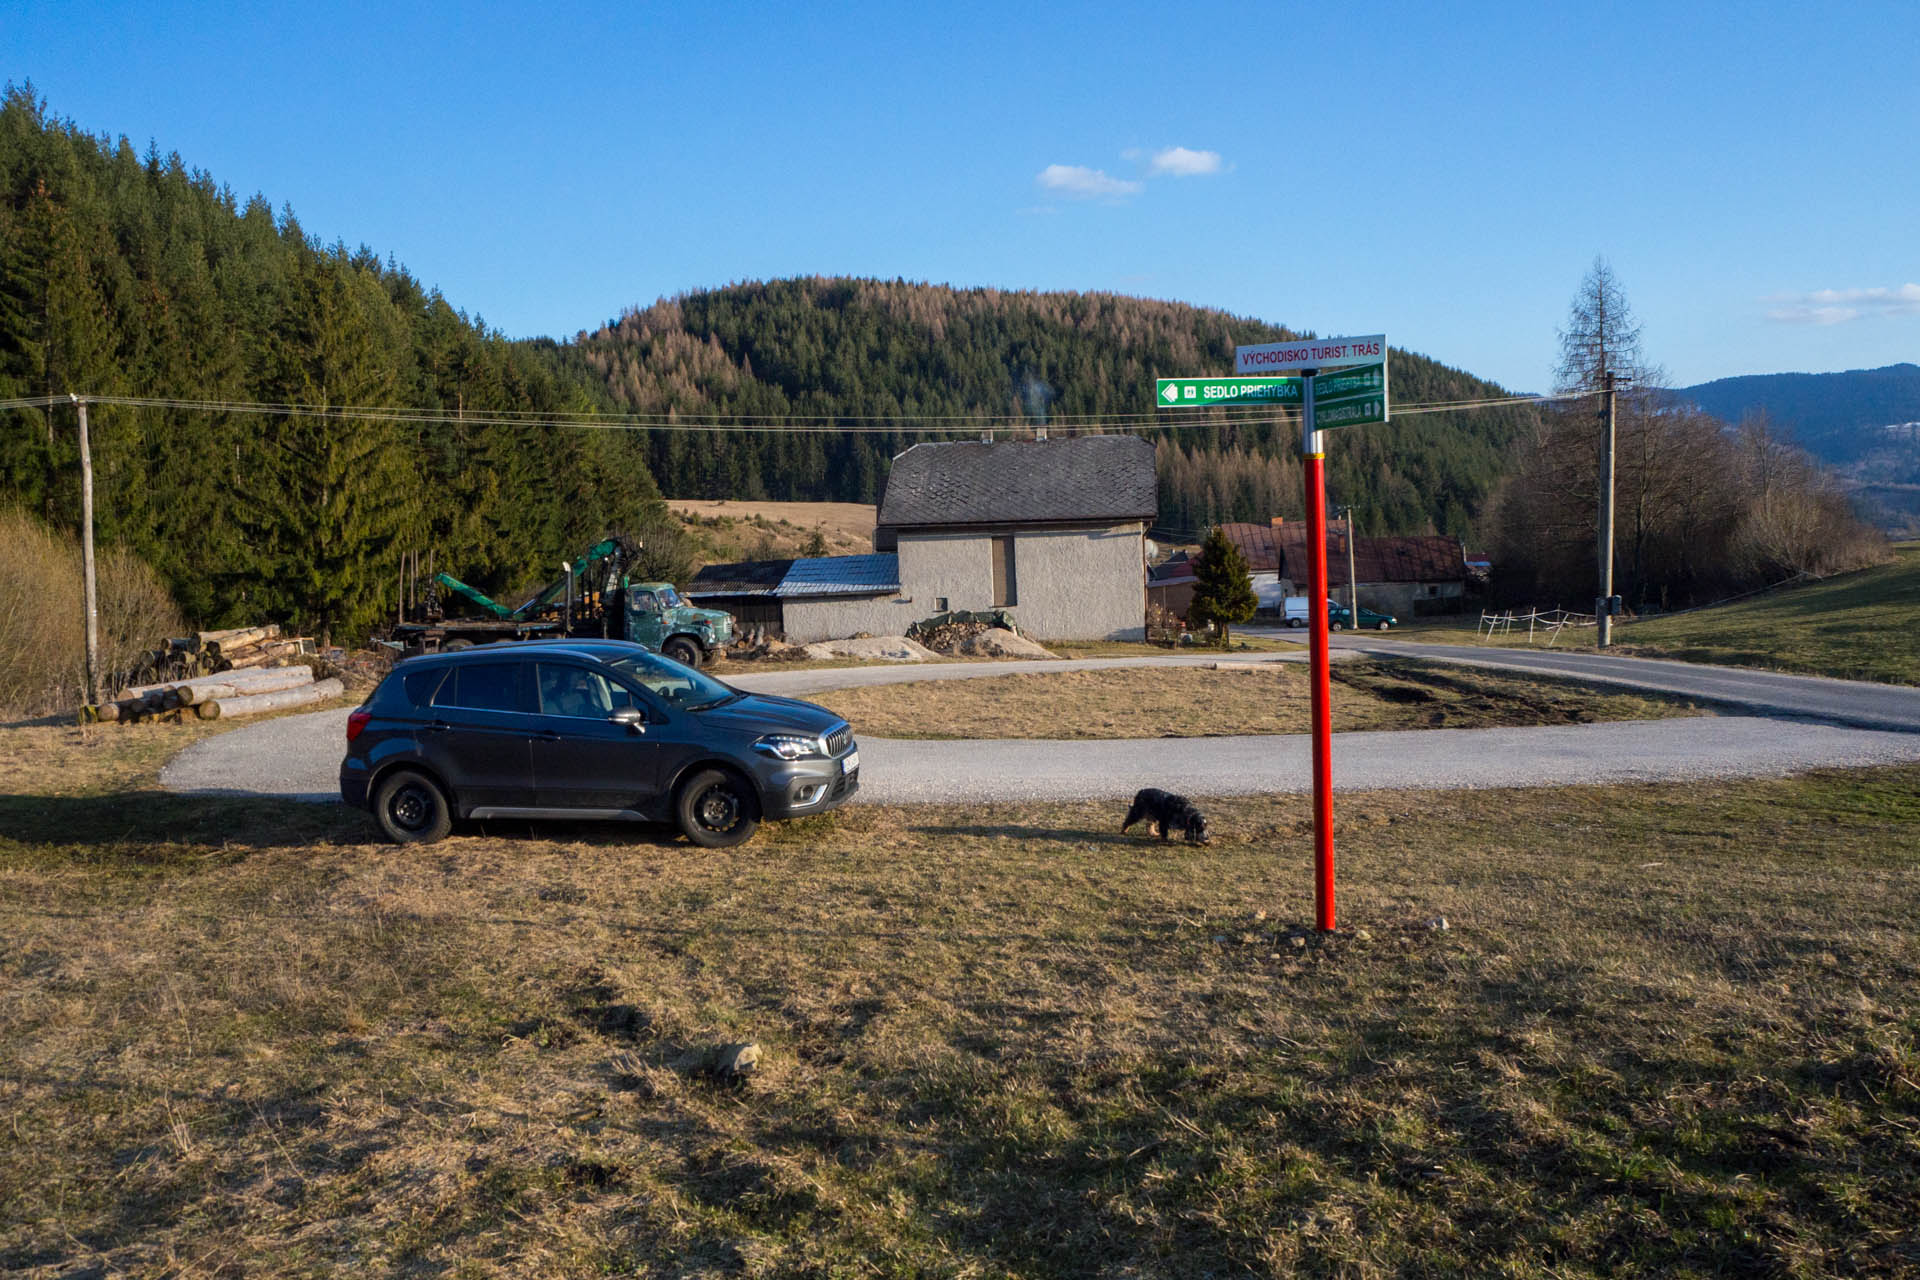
1310, 353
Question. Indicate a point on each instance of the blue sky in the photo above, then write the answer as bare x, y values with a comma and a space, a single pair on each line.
1443, 173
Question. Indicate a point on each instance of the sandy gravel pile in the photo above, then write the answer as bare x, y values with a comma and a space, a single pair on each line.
886, 648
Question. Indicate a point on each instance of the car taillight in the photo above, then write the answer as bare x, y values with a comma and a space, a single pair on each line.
356, 722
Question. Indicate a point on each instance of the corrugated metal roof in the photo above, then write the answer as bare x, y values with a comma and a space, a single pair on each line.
874, 574
1413, 558
741, 578
1021, 482
1256, 544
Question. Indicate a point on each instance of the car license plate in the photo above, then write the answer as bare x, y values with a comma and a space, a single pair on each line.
851, 763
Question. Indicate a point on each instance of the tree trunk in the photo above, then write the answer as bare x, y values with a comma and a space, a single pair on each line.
285, 675
221, 708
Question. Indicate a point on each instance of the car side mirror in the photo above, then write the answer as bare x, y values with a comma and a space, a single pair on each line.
633, 717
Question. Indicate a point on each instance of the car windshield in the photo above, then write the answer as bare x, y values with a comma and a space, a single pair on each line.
670, 598
678, 686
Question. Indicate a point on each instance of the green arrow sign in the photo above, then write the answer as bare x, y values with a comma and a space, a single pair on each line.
1200, 393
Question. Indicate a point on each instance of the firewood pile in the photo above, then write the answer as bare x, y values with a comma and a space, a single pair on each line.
213, 675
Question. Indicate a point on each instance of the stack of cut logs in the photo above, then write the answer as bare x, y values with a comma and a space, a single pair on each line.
217, 674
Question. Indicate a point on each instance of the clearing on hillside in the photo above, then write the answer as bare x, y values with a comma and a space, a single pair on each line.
728, 531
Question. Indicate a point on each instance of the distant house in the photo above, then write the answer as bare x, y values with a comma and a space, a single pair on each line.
812, 598
1170, 585
1406, 575
1053, 531
1259, 544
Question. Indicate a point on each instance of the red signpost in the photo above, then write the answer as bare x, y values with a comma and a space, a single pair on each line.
1355, 395
1314, 464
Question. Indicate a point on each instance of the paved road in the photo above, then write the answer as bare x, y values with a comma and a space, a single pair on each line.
1811, 724
1849, 702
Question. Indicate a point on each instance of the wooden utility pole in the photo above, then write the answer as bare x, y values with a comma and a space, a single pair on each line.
1602, 616
86, 557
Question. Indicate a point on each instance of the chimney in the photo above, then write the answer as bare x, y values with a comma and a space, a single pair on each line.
1276, 522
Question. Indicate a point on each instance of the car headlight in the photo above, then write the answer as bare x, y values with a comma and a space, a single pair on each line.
790, 746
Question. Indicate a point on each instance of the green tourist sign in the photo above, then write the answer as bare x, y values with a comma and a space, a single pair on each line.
1351, 398
1201, 393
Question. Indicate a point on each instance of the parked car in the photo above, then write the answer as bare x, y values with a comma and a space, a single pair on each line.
1294, 610
1338, 617
587, 729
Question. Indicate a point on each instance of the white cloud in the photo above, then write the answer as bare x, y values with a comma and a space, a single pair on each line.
1837, 306
1182, 162
1082, 183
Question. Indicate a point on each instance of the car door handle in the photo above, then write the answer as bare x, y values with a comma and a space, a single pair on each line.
547, 735
436, 726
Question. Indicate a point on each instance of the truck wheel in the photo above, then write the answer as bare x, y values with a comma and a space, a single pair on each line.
411, 809
681, 650
717, 809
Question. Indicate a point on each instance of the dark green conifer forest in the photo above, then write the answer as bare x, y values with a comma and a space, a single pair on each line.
132, 275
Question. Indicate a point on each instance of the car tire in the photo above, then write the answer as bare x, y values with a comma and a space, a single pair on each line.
410, 808
717, 809
1296, 622
1336, 626
1383, 626
681, 650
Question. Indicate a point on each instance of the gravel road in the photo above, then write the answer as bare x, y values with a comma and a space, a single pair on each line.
299, 756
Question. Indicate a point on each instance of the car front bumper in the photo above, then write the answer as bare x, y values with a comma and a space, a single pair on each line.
803, 787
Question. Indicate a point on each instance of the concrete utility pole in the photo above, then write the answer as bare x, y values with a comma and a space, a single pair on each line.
1603, 620
86, 557
1353, 583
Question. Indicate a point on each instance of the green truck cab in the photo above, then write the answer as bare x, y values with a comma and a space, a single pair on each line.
658, 619
591, 597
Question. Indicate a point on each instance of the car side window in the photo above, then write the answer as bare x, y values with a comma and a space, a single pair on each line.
645, 600
481, 686
567, 690
420, 686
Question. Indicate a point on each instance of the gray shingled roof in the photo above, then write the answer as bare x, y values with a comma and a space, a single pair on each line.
1022, 482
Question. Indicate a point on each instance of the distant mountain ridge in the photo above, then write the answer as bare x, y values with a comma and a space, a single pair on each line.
1835, 416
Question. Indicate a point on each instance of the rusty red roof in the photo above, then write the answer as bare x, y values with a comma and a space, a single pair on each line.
1408, 558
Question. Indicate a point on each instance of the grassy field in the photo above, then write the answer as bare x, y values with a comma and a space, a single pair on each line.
1666, 1031
727, 531
1858, 626
1235, 699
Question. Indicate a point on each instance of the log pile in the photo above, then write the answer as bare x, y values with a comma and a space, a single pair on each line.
214, 675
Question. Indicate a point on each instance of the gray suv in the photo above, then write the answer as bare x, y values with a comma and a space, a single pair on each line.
597, 729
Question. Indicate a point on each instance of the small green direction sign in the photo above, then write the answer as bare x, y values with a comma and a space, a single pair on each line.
1351, 398
1200, 393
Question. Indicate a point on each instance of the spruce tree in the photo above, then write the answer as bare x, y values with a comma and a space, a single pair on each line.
1223, 587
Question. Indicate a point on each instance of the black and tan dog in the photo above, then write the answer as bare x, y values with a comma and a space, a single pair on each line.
1168, 813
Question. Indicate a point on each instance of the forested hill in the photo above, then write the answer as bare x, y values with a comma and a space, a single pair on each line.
124, 274
132, 275
1836, 416
839, 353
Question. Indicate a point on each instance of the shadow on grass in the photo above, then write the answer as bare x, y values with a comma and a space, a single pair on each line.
1014, 831
201, 823
152, 816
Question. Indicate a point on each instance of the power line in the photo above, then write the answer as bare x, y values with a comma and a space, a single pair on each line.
837, 424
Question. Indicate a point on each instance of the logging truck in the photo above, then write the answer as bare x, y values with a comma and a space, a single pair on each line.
593, 596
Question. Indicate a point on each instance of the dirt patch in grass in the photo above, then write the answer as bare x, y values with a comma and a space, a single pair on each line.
1666, 1030
1233, 699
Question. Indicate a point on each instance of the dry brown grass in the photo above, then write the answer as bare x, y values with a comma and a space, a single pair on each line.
1669, 1030
1233, 699
726, 531
43, 624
